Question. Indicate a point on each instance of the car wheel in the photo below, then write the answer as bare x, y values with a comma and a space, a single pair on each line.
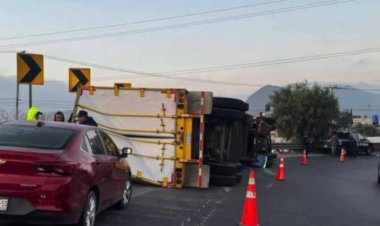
378, 179
127, 195
89, 210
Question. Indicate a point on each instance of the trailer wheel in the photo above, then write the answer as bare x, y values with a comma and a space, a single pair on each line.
239, 167
227, 114
223, 169
223, 180
216, 121
230, 103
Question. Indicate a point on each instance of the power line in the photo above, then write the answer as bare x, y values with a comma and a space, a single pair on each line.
182, 25
352, 89
147, 73
141, 21
259, 64
219, 68
8, 51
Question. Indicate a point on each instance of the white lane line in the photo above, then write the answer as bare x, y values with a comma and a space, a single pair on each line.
227, 189
269, 172
269, 185
142, 191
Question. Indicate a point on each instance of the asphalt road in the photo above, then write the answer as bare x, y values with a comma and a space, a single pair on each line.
324, 193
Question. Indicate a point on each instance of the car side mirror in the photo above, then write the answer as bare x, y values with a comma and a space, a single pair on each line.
126, 151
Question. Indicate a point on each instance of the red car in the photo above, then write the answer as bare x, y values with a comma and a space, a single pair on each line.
52, 172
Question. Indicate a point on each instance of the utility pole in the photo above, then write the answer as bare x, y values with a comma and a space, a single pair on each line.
17, 100
369, 110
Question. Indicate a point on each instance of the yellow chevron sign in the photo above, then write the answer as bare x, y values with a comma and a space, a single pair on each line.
30, 69
79, 77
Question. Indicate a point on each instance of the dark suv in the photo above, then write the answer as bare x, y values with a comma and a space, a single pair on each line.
354, 143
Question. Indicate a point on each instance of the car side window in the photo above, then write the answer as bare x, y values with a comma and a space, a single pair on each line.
111, 147
86, 146
95, 143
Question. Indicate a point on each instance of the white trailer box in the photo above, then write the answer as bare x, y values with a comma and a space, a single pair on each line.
159, 126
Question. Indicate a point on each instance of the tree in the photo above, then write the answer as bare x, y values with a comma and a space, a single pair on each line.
301, 110
365, 129
344, 120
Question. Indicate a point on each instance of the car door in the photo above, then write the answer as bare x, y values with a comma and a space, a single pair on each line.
102, 168
362, 143
118, 174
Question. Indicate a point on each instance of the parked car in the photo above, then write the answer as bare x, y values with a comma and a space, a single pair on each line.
52, 172
352, 141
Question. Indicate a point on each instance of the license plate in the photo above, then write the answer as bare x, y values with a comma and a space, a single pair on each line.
3, 204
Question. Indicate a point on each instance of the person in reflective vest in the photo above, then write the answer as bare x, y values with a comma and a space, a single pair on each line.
33, 114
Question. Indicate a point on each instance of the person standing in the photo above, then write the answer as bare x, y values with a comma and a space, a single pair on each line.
33, 114
334, 144
84, 119
59, 116
307, 141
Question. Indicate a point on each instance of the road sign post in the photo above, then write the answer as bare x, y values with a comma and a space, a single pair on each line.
30, 96
79, 77
30, 70
17, 99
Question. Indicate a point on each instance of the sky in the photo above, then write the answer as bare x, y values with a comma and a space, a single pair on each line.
347, 26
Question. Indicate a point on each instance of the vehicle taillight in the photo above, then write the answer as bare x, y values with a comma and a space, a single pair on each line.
61, 168
181, 97
178, 178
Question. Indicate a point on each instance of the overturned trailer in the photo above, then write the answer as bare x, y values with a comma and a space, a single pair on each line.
179, 138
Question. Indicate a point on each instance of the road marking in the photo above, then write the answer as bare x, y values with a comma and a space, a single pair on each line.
142, 191
267, 171
269, 185
227, 189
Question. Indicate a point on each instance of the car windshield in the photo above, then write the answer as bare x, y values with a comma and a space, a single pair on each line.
29, 136
360, 136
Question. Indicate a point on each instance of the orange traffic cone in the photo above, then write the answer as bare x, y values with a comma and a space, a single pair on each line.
250, 217
342, 153
304, 159
281, 170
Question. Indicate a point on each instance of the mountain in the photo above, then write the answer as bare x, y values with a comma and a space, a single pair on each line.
260, 98
360, 101
51, 97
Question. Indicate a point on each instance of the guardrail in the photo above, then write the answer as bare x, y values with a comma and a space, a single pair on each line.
290, 146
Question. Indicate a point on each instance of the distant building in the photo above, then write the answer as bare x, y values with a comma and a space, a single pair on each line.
363, 119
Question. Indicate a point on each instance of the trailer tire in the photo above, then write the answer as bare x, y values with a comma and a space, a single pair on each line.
230, 103
238, 178
223, 180
227, 114
246, 161
223, 169
216, 121
239, 167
